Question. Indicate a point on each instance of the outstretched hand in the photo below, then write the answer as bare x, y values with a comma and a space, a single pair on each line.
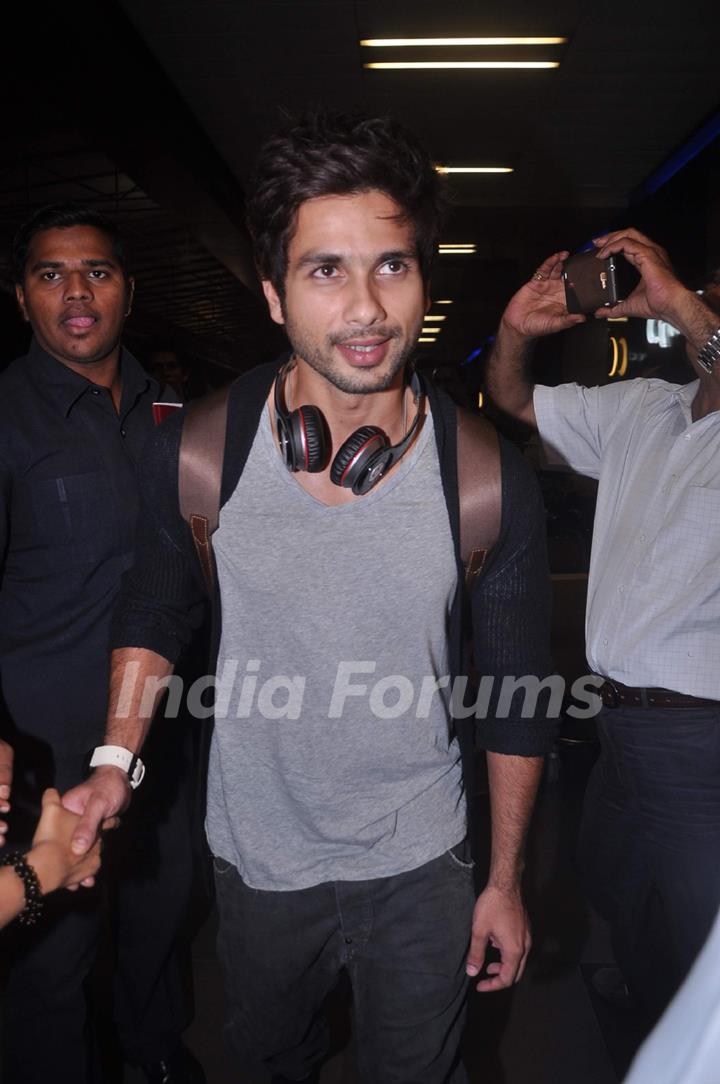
499, 921
538, 308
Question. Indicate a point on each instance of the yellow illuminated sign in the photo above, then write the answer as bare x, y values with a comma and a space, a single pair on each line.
619, 356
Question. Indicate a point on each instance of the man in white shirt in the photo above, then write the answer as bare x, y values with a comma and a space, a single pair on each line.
650, 841
684, 1048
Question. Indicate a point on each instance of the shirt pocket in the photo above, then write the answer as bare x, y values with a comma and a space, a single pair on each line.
68, 521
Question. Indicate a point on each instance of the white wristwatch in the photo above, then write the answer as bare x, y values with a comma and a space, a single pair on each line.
121, 758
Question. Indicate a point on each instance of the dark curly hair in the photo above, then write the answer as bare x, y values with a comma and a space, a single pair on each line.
62, 216
332, 154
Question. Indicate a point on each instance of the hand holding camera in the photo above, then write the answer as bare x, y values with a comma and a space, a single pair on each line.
626, 275
539, 308
658, 294
645, 284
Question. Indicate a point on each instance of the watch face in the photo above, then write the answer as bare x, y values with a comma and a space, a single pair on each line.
138, 774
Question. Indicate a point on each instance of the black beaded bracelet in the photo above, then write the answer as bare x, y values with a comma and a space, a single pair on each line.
33, 896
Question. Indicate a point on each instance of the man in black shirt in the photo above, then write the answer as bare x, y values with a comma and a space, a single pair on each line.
74, 416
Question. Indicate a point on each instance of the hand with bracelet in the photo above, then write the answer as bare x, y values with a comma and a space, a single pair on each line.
50, 864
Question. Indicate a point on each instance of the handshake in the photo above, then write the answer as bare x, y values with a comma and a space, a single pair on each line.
53, 858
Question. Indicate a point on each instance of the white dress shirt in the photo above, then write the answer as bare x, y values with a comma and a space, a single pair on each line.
653, 614
684, 1048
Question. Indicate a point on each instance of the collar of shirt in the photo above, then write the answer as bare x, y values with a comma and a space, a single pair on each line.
683, 395
66, 386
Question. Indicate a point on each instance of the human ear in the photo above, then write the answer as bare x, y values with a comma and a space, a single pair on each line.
20, 298
274, 303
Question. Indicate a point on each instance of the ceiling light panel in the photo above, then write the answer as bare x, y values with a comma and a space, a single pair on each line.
411, 43
474, 169
466, 65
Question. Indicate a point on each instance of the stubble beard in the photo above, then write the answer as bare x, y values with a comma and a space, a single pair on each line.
362, 381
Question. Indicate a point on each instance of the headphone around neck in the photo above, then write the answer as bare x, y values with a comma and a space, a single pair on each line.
360, 461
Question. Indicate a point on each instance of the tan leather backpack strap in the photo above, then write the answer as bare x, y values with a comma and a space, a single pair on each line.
202, 451
479, 490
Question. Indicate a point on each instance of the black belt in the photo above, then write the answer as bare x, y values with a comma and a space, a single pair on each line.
616, 695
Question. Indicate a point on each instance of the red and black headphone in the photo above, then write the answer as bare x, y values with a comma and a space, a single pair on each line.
360, 461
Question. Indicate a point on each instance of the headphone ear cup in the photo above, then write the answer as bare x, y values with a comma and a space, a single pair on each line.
308, 436
355, 455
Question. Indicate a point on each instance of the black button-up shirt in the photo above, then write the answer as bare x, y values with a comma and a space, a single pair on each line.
68, 510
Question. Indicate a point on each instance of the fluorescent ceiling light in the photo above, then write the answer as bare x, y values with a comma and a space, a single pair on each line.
474, 169
463, 250
427, 339
401, 43
427, 318
446, 301
447, 65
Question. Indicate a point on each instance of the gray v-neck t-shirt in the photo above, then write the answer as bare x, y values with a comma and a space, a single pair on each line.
332, 757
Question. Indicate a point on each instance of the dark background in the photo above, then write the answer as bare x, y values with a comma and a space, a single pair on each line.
154, 111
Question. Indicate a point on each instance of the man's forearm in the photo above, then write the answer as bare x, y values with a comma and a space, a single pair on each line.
507, 374
690, 315
136, 685
513, 787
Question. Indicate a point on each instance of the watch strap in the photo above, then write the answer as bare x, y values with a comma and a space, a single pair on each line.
709, 353
121, 758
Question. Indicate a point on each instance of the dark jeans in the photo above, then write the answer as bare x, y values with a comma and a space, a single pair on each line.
145, 881
650, 842
403, 941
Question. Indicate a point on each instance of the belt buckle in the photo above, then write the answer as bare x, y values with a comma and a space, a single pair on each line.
611, 694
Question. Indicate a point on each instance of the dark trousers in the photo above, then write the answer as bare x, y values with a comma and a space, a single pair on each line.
145, 883
403, 940
650, 842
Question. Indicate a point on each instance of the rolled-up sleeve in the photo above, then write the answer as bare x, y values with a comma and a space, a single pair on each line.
574, 422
